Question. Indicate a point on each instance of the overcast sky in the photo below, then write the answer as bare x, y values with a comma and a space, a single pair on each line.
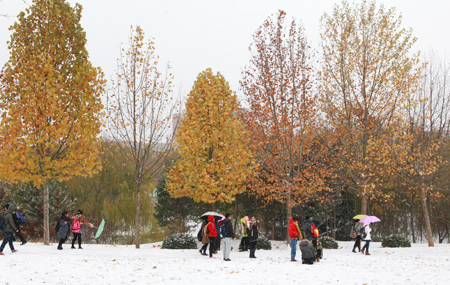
194, 35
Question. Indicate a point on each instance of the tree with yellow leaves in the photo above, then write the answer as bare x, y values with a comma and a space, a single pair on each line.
50, 100
366, 79
214, 159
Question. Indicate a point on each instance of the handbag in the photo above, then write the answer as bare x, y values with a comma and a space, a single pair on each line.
353, 234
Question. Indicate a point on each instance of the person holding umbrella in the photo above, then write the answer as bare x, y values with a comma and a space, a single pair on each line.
367, 238
356, 230
212, 235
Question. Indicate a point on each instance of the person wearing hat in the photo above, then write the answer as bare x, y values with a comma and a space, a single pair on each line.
307, 228
78, 219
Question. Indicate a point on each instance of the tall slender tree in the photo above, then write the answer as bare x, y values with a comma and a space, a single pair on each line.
140, 107
283, 117
49, 100
366, 78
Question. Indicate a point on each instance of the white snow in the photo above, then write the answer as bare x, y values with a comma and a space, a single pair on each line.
109, 264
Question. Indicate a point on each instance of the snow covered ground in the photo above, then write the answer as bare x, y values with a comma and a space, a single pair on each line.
108, 264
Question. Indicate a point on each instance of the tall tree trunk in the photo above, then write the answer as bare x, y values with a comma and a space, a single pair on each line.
46, 214
326, 221
335, 225
289, 214
364, 204
412, 219
426, 218
138, 214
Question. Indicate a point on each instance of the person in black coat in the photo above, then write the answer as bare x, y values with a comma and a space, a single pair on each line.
227, 239
63, 228
253, 227
307, 228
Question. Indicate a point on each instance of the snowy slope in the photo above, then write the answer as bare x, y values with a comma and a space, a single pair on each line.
108, 264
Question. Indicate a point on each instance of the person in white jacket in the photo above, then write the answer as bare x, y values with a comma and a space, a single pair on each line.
367, 230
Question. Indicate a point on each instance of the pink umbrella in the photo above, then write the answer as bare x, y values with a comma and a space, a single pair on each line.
369, 219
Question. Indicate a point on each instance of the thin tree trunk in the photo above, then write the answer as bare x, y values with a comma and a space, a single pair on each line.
326, 222
46, 214
335, 226
426, 218
289, 214
138, 215
412, 219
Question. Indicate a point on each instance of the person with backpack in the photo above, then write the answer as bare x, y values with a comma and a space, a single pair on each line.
62, 228
203, 238
77, 221
211, 231
357, 234
10, 227
294, 234
308, 252
310, 229
227, 234
253, 227
244, 240
366, 236
18, 220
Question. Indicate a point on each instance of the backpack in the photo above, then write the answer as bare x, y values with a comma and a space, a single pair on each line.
222, 232
18, 218
362, 232
314, 231
57, 227
2, 223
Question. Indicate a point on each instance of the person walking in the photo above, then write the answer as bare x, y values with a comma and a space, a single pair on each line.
294, 234
63, 228
367, 238
203, 238
244, 233
17, 222
227, 239
357, 236
10, 227
212, 235
307, 228
77, 221
253, 227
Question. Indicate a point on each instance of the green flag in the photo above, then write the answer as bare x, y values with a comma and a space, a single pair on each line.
100, 229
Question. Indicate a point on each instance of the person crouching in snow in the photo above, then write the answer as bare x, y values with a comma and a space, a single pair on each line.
294, 234
63, 228
308, 252
318, 249
78, 219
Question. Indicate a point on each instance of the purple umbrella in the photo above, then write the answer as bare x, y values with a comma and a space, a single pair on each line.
369, 219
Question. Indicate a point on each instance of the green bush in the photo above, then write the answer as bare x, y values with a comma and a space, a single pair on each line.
395, 241
179, 241
264, 243
328, 242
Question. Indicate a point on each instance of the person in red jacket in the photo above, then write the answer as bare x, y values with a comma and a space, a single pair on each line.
294, 234
212, 234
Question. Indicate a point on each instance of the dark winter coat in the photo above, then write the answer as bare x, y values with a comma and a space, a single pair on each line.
10, 226
307, 230
253, 231
307, 250
228, 228
64, 227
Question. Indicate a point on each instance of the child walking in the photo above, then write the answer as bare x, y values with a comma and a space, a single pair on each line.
78, 219
63, 228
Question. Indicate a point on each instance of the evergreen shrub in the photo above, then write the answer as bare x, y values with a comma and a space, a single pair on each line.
328, 242
395, 241
264, 243
179, 241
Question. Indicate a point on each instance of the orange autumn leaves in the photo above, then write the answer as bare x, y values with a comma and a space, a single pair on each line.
214, 159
